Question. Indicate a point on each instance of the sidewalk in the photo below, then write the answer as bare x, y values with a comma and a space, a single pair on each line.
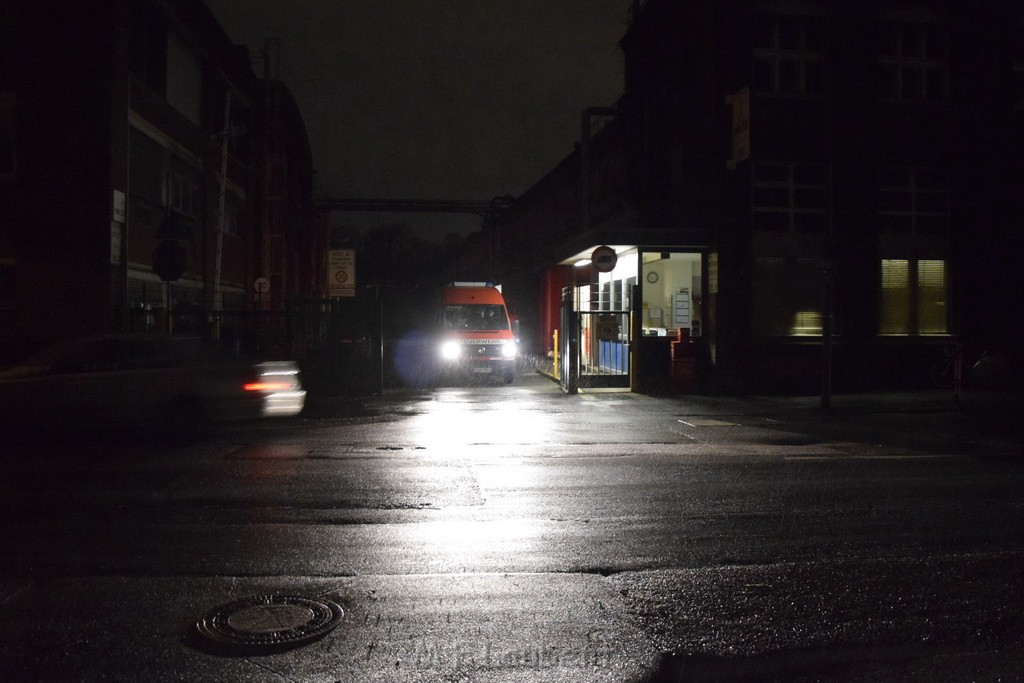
992, 418
894, 401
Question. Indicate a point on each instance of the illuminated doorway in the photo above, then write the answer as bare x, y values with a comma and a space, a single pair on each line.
674, 320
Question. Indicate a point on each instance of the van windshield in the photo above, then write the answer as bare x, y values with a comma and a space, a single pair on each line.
475, 317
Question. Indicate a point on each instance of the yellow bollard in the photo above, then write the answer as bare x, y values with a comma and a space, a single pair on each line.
554, 356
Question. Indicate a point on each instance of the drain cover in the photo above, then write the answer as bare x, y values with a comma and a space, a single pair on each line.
265, 622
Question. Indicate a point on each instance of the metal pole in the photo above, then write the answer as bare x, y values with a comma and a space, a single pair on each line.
958, 373
380, 332
215, 300
125, 288
826, 342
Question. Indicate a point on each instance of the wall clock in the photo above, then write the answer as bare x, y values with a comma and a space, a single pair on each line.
652, 277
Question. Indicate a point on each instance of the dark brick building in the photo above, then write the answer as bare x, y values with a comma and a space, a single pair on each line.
115, 116
781, 173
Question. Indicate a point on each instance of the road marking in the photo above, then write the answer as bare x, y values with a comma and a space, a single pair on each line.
922, 456
707, 423
903, 456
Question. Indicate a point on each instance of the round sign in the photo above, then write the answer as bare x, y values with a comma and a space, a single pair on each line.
341, 276
604, 259
262, 285
170, 256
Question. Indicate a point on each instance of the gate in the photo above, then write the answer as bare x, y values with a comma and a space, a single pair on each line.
605, 347
597, 347
569, 354
339, 343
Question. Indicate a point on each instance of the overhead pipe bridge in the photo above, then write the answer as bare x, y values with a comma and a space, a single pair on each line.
487, 208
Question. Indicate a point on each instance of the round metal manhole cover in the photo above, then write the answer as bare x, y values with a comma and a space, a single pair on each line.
267, 622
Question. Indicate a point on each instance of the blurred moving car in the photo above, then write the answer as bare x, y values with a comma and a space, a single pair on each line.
143, 381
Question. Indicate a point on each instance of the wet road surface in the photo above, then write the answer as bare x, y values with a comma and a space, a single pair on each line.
515, 533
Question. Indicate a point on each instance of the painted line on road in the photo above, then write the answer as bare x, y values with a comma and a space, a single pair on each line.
903, 456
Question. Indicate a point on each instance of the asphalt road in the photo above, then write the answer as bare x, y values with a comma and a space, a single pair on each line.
501, 532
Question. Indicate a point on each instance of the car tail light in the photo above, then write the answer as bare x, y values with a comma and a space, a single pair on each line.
267, 386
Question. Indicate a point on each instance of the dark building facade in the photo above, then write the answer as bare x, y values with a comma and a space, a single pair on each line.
127, 123
795, 191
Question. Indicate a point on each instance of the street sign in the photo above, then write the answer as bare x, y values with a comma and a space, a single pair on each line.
170, 257
341, 273
261, 285
740, 125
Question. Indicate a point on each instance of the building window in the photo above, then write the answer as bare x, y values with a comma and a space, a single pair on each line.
914, 62
790, 197
148, 47
8, 284
8, 135
232, 216
184, 80
789, 57
914, 201
183, 190
788, 297
914, 297
1019, 85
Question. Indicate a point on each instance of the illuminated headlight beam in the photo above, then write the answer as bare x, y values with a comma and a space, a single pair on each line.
450, 350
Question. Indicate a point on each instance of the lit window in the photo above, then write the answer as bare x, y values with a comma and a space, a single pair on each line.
914, 297
895, 313
806, 323
931, 297
789, 55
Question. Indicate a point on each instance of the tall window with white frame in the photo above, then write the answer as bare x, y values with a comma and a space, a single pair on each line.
789, 55
914, 62
914, 202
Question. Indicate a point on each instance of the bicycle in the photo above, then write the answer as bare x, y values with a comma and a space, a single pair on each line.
945, 372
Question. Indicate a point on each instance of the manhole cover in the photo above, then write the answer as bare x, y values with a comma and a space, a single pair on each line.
265, 622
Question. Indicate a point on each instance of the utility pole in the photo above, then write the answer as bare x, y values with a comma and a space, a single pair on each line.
215, 299
826, 336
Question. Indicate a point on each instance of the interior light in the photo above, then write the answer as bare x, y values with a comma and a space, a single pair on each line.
581, 263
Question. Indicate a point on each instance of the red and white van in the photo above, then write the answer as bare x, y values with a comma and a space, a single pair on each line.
475, 331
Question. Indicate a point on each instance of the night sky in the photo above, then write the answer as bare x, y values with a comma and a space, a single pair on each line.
432, 99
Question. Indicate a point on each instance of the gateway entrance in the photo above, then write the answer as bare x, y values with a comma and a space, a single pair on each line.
639, 326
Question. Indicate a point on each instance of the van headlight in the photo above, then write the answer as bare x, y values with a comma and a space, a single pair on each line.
450, 350
509, 350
